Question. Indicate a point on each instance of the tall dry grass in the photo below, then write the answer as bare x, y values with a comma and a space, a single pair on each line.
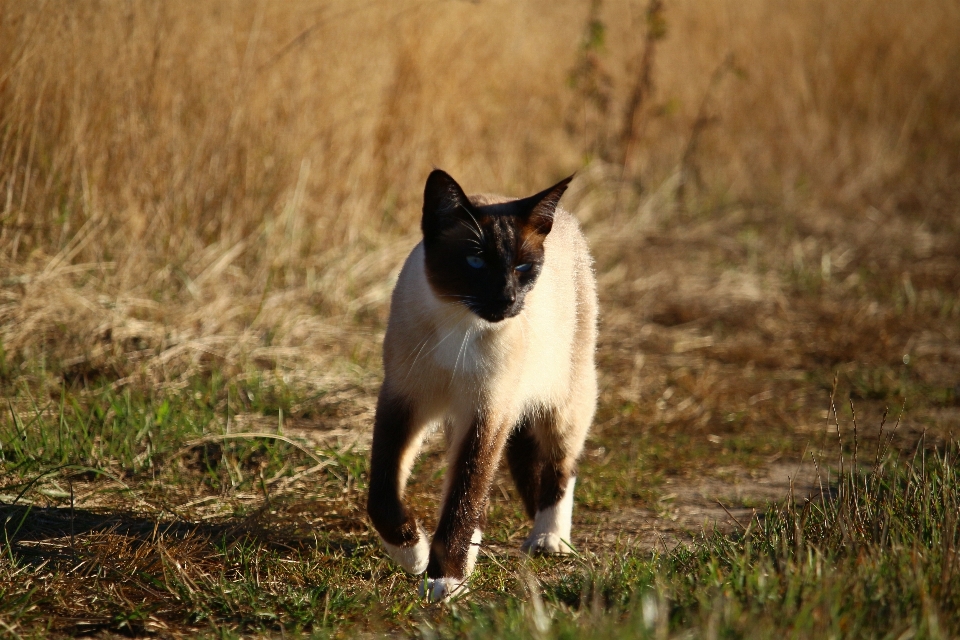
235, 181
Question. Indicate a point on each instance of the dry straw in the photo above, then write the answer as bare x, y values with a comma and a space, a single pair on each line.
234, 182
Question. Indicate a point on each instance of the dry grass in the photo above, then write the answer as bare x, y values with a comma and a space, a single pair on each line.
224, 190
237, 180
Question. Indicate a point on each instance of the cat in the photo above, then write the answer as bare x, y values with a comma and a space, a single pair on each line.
491, 334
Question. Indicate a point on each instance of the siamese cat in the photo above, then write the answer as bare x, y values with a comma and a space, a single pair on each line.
491, 335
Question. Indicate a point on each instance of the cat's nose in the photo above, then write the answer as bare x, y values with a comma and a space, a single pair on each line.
509, 296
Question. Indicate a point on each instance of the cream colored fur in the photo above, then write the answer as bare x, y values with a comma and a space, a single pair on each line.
454, 365
413, 559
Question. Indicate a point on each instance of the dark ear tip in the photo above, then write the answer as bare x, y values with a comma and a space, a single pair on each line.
555, 192
563, 184
442, 194
439, 175
439, 183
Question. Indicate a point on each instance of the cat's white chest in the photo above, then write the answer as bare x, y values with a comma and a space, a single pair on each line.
459, 349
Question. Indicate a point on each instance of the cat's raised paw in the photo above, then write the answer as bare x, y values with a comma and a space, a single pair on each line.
442, 589
546, 544
414, 558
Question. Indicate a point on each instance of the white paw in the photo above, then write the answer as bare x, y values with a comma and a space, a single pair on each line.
442, 589
551, 526
546, 544
473, 551
414, 558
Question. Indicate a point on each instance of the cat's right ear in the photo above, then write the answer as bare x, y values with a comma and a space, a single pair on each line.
443, 202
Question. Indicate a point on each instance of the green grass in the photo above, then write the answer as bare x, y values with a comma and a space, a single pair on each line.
253, 536
131, 431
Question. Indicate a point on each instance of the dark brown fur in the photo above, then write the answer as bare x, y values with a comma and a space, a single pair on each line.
539, 469
466, 504
391, 436
505, 235
523, 457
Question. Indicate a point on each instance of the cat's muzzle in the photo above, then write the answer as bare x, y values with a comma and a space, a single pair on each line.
499, 313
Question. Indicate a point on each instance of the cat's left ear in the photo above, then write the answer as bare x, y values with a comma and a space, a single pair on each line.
443, 202
539, 209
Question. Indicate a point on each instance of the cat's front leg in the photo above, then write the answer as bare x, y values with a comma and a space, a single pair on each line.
396, 441
453, 552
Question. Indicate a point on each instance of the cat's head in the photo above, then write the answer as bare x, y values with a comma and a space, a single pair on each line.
485, 257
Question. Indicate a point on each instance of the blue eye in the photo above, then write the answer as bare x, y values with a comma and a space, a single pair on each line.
476, 262
523, 268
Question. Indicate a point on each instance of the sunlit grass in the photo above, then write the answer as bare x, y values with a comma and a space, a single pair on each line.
202, 210
198, 539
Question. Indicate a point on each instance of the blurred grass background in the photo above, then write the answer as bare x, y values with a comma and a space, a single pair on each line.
231, 178
202, 210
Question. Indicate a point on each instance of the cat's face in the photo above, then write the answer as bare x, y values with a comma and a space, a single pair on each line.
486, 258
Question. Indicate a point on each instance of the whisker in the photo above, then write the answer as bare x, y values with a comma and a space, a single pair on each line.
472, 229
479, 228
461, 350
432, 349
524, 322
423, 343
526, 241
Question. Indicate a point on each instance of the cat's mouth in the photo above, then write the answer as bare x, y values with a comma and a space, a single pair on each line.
497, 314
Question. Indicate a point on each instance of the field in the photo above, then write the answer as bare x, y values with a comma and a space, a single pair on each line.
203, 208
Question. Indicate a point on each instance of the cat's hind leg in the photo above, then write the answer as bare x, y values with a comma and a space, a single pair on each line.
551, 533
543, 456
396, 441
526, 463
